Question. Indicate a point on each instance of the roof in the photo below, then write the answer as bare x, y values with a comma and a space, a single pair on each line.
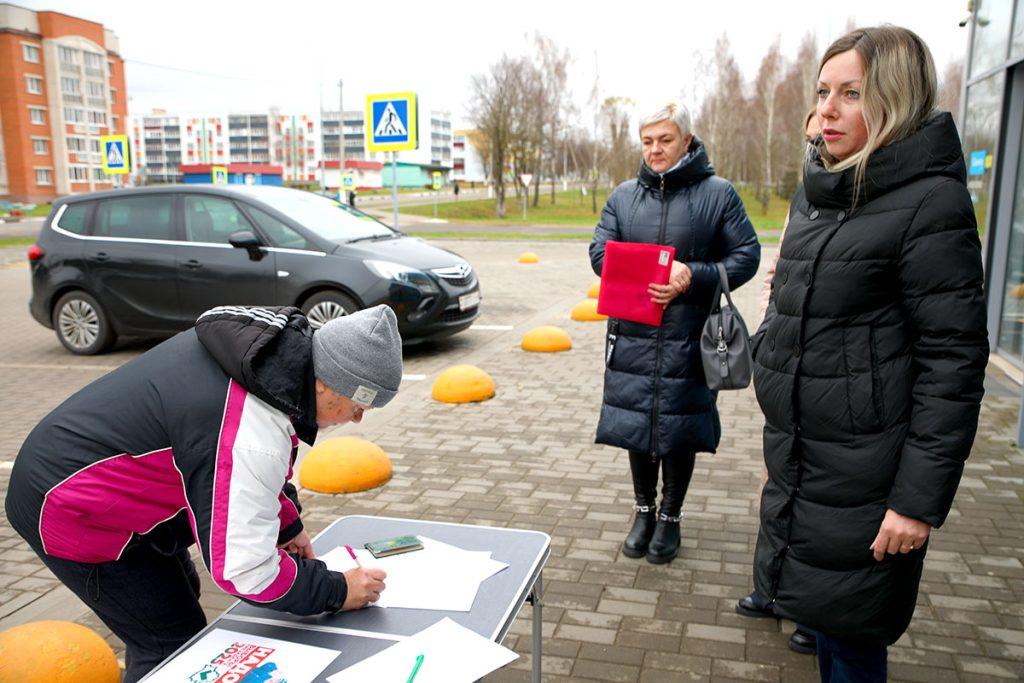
265, 169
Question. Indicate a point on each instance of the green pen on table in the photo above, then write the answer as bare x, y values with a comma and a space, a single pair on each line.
415, 669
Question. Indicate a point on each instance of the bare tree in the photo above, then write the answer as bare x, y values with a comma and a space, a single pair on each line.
492, 110
766, 88
949, 89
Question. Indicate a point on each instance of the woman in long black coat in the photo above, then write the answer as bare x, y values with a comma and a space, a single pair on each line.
869, 365
656, 401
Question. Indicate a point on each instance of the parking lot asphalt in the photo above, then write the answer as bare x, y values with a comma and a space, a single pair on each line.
526, 459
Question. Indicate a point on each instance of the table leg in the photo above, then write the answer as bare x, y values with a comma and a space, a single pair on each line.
538, 623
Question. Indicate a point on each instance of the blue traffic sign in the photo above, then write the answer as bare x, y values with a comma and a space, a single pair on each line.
392, 118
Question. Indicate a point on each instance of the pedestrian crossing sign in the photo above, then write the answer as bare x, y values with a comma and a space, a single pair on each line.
219, 175
115, 154
393, 122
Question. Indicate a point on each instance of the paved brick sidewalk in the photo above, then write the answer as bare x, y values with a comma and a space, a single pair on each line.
526, 459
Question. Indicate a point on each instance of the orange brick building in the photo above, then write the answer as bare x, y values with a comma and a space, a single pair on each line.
61, 87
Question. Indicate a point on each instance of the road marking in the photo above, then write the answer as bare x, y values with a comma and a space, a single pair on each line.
39, 366
491, 327
413, 378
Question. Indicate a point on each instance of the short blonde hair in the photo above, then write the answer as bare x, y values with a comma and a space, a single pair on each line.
898, 92
674, 111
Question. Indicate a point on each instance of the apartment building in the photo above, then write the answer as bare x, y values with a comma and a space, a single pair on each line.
467, 164
62, 86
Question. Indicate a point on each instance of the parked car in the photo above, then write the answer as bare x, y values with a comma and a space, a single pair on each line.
149, 261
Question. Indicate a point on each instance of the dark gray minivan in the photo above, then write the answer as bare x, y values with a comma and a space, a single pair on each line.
148, 261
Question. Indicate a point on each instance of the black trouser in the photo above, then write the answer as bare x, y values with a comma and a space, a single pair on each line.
676, 471
150, 600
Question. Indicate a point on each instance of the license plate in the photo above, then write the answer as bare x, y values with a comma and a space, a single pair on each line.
468, 301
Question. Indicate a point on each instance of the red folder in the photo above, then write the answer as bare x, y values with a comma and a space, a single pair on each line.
629, 267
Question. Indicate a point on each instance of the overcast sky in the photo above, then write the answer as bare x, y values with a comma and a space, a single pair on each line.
258, 54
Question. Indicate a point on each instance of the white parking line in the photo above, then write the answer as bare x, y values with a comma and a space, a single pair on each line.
491, 327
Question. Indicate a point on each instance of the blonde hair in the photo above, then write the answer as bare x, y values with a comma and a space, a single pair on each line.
897, 94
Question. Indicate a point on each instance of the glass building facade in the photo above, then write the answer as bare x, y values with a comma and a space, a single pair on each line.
993, 118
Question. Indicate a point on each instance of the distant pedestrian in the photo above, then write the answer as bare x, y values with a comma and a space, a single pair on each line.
352, 198
869, 366
657, 404
455, 189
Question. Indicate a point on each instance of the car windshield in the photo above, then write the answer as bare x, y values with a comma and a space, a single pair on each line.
326, 217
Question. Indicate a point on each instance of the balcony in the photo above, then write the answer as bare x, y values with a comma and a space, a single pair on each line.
71, 99
70, 68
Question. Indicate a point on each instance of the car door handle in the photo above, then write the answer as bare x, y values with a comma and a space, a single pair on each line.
102, 256
192, 263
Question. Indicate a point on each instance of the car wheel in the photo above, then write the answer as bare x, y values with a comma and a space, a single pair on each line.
81, 324
326, 306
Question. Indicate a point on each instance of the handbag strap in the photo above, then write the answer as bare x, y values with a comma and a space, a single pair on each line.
721, 287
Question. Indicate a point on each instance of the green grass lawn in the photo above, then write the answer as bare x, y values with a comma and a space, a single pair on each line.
16, 241
40, 210
571, 208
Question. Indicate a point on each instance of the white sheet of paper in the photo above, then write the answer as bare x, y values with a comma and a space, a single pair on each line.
439, 577
221, 652
451, 654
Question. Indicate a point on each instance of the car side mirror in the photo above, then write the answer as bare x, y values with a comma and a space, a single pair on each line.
245, 239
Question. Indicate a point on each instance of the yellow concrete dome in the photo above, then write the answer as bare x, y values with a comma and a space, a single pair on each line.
528, 257
56, 652
463, 384
547, 339
587, 310
344, 464
595, 290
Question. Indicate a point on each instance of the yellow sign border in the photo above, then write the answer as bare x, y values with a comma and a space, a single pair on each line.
126, 151
413, 142
214, 170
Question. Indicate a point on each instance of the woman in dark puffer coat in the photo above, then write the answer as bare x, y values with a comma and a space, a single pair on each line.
870, 363
657, 404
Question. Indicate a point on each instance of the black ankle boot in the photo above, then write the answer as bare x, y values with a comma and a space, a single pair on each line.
676, 470
640, 535
644, 470
664, 545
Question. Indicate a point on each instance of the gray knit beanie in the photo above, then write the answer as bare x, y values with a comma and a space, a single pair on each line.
360, 356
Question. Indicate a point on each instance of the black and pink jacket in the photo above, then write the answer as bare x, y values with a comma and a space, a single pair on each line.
196, 438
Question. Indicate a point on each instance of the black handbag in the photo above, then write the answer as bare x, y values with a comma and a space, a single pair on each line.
725, 343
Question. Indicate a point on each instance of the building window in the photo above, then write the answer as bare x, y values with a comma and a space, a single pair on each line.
94, 145
72, 115
78, 173
98, 118
37, 115
39, 146
98, 174
44, 176
110, 68
30, 53
113, 122
991, 34
93, 60
68, 55
35, 85
113, 95
71, 86
95, 89
1011, 327
984, 104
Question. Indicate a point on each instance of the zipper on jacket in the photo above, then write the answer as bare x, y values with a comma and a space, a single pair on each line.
657, 361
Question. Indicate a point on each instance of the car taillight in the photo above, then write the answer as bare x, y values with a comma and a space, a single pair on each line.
35, 252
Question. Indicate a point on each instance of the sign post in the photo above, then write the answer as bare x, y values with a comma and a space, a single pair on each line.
435, 178
392, 122
525, 179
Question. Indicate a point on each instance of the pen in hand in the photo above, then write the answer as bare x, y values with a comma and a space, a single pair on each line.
415, 669
352, 554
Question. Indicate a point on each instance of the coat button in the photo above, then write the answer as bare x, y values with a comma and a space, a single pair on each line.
785, 277
796, 350
841, 215
814, 215
807, 279
771, 344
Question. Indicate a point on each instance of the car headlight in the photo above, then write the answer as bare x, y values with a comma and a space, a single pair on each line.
407, 275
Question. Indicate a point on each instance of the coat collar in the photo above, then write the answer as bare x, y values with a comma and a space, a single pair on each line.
933, 150
695, 167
